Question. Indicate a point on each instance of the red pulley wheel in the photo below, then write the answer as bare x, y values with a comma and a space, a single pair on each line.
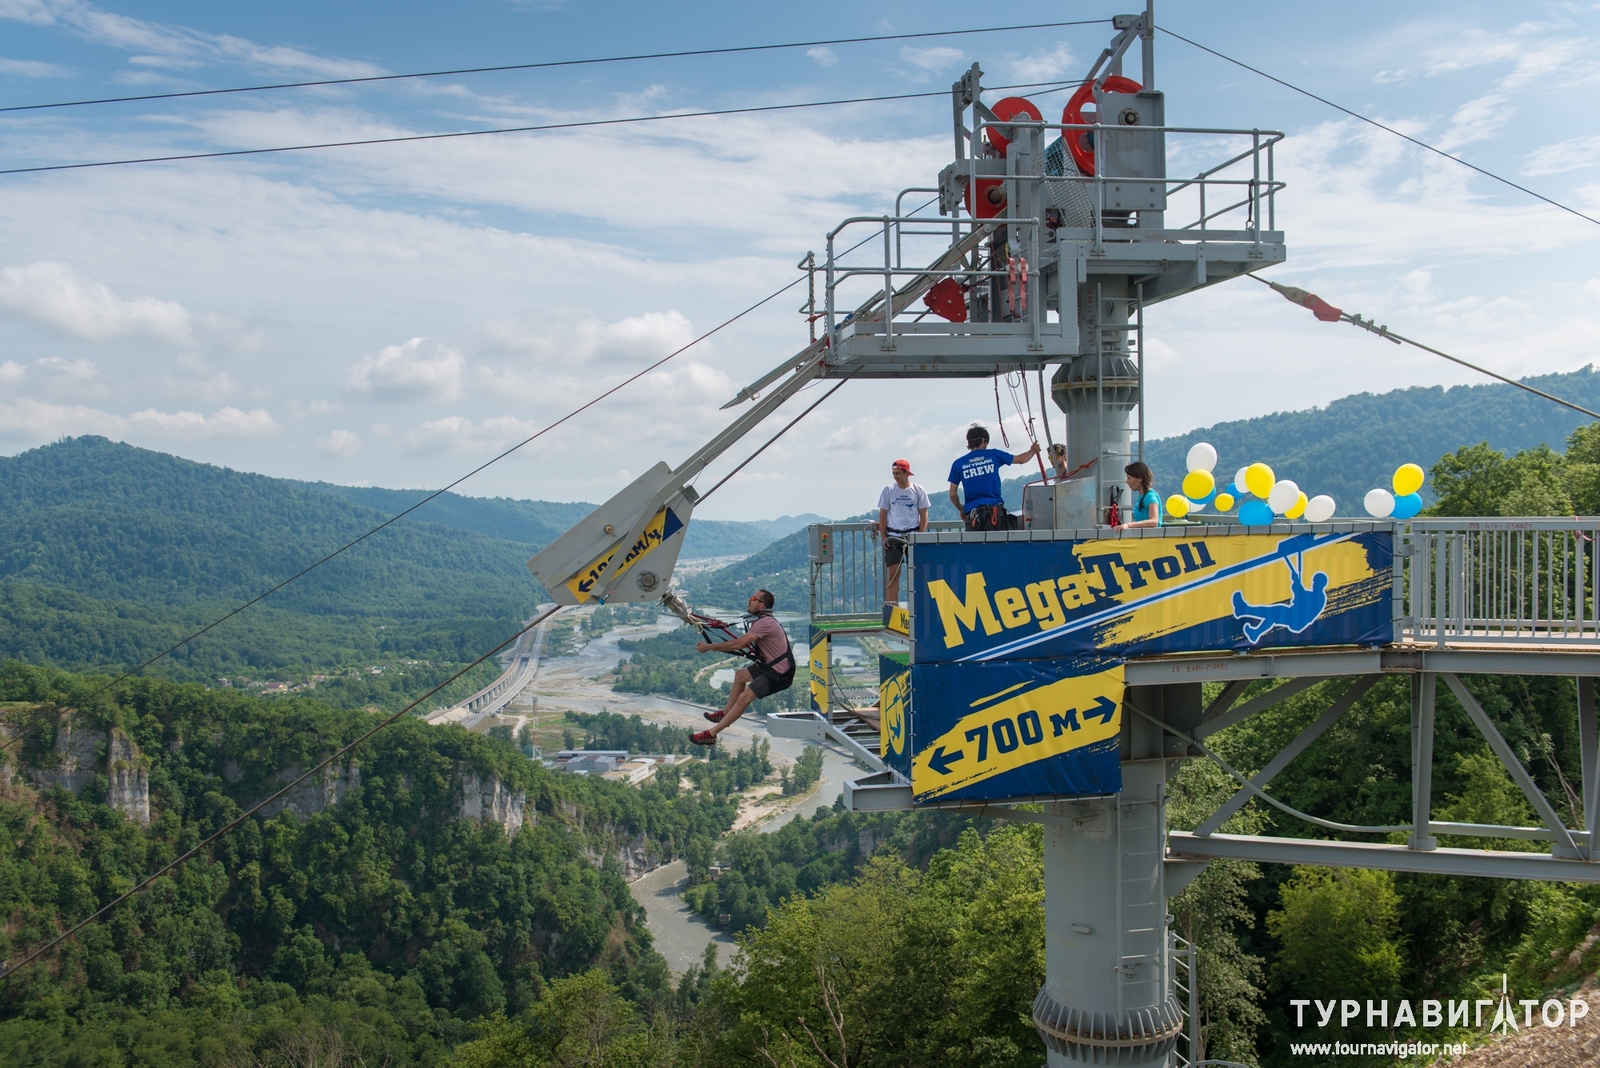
1079, 142
1007, 109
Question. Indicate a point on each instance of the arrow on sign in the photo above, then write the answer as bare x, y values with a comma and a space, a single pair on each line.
941, 761
1104, 707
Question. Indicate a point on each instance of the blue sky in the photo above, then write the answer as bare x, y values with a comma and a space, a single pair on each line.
392, 315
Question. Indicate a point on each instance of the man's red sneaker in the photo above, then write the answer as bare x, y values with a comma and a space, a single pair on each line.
715, 717
703, 738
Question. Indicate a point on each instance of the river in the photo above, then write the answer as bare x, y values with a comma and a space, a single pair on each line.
570, 683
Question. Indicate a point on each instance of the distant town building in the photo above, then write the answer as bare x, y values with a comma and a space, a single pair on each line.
615, 764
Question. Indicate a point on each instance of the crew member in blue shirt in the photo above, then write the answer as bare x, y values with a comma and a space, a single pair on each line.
977, 477
1145, 511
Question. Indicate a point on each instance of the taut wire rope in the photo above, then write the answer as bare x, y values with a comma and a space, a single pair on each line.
549, 64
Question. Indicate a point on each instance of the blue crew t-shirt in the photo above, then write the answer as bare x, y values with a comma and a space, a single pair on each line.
1147, 506
978, 473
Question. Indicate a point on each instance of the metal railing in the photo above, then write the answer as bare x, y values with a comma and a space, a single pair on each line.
1501, 580
1186, 985
847, 570
1463, 581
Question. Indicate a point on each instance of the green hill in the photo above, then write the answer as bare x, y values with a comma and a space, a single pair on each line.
110, 554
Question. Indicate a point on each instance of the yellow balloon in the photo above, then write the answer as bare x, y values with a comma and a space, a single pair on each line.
1298, 508
1177, 506
1407, 479
1196, 484
1259, 480
1224, 502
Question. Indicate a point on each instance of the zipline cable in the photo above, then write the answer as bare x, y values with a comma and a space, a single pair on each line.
19, 738
1387, 129
147, 881
541, 127
1327, 313
550, 64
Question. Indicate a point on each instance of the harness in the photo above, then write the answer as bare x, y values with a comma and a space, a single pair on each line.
788, 647
706, 624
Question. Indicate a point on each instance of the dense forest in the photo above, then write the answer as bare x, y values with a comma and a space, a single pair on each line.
383, 918
110, 555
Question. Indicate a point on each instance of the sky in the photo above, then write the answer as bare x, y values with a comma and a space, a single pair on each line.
394, 315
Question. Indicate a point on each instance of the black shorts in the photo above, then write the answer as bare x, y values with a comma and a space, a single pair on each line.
894, 547
764, 682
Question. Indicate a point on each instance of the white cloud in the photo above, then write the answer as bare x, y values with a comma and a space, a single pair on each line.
420, 369
173, 46
631, 340
1564, 156
40, 420
223, 423
32, 68
823, 56
936, 59
55, 295
341, 444
1042, 65
456, 432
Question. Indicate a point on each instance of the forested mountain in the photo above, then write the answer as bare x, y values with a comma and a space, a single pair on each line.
373, 921
110, 554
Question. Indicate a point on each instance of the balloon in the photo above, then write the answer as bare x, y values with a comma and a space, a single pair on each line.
1241, 482
1224, 502
1202, 457
1407, 505
1298, 508
1177, 507
1407, 480
1379, 503
1232, 489
1259, 480
1319, 509
1283, 496
1198, 484
1255, 514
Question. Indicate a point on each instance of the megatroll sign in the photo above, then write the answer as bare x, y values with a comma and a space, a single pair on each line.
1053, 621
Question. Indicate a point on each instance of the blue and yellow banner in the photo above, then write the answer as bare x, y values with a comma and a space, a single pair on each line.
894, 711
663, 526
1003, 731
819, 661
984, 601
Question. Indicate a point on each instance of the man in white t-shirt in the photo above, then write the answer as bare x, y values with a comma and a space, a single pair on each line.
902, 508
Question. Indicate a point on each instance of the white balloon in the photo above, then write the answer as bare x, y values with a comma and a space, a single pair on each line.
1238, 480
1284, 493
1380, 503
1202, 457
1319, 509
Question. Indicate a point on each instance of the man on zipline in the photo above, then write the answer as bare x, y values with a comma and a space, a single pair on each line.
772, 672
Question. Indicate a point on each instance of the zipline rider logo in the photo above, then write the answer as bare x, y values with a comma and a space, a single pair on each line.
665, 524
1011, 600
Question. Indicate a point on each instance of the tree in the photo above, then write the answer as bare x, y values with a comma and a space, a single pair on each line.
1338, 934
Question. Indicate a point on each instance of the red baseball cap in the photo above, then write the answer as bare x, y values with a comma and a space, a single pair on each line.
904, 465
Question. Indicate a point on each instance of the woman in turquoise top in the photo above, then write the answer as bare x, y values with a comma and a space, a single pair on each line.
1146, 508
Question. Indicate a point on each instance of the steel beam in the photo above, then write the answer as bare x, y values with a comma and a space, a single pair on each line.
1587, 747
1256, 704
1480, 863
881, 792
1423, 688
1290, 751
1497, 742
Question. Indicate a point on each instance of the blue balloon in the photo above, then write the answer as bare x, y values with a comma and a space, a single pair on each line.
1255, 514
1234, 491
1406, 505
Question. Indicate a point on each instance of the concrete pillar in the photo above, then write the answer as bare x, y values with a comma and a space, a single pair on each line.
1108, 995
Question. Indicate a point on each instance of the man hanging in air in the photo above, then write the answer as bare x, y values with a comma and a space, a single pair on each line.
765, 642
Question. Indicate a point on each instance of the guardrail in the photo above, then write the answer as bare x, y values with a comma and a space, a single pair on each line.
847, 569
1530, 581
1460, 580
